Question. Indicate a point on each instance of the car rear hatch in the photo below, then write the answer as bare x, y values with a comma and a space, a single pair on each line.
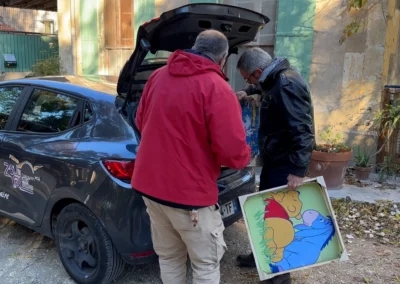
178, 29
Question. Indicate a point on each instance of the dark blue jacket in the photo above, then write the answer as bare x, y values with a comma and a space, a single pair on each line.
286, 132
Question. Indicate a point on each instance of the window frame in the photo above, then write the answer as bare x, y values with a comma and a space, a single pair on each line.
116, 43
28, 95
87, 102
16, 107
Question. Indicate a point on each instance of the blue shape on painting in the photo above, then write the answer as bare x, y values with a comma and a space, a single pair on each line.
310, 239
251, 120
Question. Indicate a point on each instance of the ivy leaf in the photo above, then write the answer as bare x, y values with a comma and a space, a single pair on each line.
349, 30
357, 4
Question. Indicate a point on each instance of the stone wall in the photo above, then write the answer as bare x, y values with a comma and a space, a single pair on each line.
346, 80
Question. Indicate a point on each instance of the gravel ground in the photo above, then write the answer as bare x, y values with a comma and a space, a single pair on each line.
369, 263
28, 257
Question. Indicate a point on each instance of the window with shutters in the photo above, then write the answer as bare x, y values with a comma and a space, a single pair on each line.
118, 23
48, 27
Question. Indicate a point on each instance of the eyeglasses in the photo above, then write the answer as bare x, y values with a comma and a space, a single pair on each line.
248, 78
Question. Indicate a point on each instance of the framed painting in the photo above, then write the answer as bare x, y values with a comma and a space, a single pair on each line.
251, 121
291, 230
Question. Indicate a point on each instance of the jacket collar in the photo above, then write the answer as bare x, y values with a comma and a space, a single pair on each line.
277, 65
198, 53
209, 58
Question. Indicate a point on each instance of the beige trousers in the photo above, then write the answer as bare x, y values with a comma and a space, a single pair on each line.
174, 237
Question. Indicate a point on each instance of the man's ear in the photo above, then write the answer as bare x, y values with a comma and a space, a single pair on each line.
258, 72
223, 61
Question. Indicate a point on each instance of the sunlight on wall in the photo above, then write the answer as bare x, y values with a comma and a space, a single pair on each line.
346, 80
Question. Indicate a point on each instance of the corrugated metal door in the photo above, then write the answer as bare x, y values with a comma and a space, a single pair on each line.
295, 33
89, 37
27, 50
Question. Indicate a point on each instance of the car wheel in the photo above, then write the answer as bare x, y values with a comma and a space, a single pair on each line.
85, 248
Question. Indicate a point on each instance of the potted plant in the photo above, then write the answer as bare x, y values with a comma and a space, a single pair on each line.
362, 169
331, 159
387, 169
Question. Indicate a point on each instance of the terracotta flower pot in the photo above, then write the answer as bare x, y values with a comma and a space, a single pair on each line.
332, 166
362, 173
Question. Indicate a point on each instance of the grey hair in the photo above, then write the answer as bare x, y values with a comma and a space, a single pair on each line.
252, 59
213, 44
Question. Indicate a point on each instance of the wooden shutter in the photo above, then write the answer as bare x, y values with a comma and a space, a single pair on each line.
295, 33
89, 37
144, 10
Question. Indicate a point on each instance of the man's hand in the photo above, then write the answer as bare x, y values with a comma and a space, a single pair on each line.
241, 95
294, 181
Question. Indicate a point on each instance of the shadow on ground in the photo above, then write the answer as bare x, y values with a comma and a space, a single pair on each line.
29, 257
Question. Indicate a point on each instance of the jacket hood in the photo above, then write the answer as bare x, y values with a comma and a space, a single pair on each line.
277, 65
184, 64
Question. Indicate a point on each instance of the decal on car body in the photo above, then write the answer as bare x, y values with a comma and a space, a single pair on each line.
20, 180
4, 195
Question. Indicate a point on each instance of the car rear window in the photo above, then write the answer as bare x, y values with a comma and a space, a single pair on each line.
8, 98
48, 112
159, 57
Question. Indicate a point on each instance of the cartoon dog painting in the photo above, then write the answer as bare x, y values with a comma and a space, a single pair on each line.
310, 239
278, 229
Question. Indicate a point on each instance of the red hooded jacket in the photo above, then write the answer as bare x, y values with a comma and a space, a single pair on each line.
191, 124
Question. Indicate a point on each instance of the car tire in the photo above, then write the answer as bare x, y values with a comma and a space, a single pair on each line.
85, 248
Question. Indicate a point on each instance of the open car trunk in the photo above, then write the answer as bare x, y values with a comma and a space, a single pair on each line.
178, 29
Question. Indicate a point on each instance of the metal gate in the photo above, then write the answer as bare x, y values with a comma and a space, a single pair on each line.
27, 49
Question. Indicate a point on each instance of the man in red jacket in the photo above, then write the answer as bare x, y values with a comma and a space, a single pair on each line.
190, 121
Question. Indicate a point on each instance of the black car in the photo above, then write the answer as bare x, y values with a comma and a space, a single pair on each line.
68, 146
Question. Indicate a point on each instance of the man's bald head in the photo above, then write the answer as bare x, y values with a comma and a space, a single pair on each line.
213, 44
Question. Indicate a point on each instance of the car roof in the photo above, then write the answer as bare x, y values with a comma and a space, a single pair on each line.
94, 87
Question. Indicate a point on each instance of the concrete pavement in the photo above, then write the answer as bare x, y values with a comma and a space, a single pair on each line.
371, 192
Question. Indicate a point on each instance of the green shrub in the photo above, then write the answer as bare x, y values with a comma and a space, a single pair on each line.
50, 66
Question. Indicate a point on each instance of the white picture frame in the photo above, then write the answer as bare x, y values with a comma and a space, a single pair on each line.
342, 256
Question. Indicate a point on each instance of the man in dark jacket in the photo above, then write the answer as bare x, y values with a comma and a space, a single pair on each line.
286, 131
191, 125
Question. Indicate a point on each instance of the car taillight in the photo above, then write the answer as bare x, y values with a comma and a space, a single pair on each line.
120, 169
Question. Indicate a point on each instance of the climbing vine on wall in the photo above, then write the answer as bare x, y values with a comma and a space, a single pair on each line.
357, 4
349, 30
355, 24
